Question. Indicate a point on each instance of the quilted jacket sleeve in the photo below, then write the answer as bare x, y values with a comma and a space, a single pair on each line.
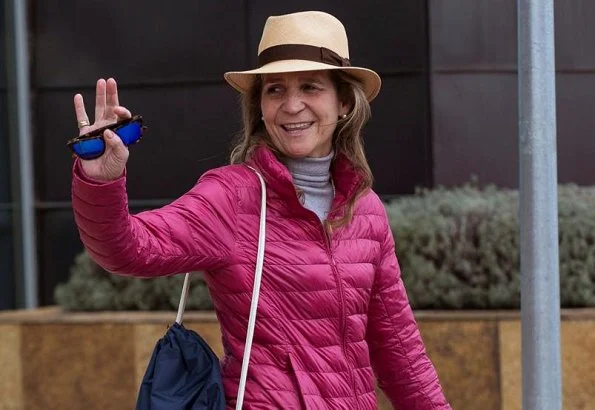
404, 371
197, 231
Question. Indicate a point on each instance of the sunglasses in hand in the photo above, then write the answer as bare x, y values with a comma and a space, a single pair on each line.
92, 144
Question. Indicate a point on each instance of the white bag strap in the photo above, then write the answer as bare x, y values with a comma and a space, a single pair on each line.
183, 297
255, 292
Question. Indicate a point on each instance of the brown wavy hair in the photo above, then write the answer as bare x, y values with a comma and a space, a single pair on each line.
347, 137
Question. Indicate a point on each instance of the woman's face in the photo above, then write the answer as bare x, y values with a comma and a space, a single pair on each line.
300, 112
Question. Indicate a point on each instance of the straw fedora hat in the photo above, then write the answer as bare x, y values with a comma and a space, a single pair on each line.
304, 41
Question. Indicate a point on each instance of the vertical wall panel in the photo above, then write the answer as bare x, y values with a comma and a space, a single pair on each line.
4, 145
5, 194
59, 243
7, 274
576, 122
472, 34
474, 91
575, 35
475, 129
136, 41
397, 139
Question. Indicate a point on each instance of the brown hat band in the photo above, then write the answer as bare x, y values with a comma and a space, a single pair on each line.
301, 52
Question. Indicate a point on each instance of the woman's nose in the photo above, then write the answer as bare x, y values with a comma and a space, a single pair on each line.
293, 103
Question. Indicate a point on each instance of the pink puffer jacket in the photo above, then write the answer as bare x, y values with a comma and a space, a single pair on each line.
332, 310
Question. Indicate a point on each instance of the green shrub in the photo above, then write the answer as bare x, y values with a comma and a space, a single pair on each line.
91, 288
458, 249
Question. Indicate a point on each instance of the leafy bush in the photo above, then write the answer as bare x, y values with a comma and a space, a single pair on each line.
458, 249
92, 288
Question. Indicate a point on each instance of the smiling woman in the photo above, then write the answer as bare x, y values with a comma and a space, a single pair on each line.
300, 112
333, 311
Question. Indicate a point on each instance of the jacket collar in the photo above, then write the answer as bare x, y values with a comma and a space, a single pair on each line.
279, 179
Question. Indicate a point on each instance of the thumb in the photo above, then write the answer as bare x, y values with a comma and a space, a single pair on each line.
115, 145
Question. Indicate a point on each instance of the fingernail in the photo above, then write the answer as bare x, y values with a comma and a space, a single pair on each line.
108, 134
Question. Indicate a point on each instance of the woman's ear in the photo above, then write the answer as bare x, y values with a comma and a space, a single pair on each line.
344, 109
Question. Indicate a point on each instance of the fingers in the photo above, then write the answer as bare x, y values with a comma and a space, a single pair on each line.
107, 106
122, 112
111, 95
79, 110
100, 99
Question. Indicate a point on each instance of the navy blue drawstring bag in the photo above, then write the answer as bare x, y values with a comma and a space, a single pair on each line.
183, 374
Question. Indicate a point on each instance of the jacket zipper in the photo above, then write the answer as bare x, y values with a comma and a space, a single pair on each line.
339, 285
341, 305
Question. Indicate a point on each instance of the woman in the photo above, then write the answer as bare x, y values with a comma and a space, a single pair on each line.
333, 310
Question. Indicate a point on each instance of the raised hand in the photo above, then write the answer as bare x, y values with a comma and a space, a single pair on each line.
111, 164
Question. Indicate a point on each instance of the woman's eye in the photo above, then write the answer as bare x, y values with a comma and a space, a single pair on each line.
273, 89
310, 87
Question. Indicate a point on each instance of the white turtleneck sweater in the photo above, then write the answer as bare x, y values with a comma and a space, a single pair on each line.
312, 177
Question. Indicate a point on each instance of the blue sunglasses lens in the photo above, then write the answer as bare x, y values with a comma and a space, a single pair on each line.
89, 149
130, 133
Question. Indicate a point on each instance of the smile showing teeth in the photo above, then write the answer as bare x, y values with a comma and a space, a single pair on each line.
296, 126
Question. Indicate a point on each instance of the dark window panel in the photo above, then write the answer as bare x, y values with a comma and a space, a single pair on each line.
476, 132
473, 34
136, 41
397, 139
5, 190
575, 34
58, 245
576, 148
3, 58
7, 273
475, 129
387, 36
190, 131
485, 35
7, 268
